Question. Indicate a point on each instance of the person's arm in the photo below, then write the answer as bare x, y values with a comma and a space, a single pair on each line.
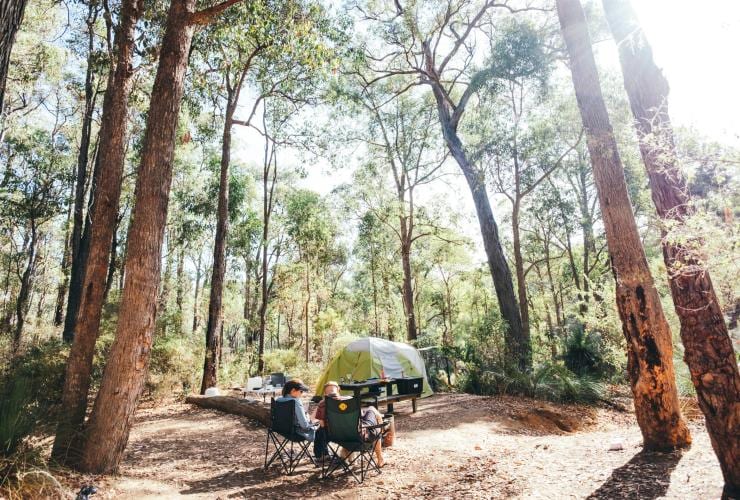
321, 414
300, 416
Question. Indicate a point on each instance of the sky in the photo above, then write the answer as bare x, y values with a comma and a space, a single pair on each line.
693, 42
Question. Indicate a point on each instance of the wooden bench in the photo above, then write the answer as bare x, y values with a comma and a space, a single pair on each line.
393, 398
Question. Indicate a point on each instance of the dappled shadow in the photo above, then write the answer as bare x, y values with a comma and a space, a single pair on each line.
645, 477
255, 483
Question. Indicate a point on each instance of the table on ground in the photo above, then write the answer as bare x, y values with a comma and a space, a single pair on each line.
265, 391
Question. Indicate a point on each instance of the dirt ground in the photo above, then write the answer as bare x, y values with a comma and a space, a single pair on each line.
454, 446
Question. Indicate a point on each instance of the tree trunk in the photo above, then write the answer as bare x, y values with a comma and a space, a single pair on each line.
708, 347
215, 308
518, 346
125, 372
164, 294
113, 262
650, 353
103, 216
180, 282
196, 292
267, 208
305, 307
24, 293
521, 282
408, 291
79, 254
519, 349
11, 16
64, 283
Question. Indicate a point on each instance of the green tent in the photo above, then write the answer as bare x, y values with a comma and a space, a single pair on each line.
370, 357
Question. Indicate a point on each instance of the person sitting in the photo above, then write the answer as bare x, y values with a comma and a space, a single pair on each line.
369, 416
292, 391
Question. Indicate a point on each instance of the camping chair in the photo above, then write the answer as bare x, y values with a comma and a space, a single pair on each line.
277, 379
343, 429
282, 431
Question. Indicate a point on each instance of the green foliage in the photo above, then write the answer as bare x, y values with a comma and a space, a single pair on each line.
548, 381
30, 393
583, 351
175, 365
289, 361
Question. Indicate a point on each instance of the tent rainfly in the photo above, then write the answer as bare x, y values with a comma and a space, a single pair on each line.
369, 357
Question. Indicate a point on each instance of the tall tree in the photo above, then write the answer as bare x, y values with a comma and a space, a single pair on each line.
708, 347
125, 371
400, 134
11, 16
103, 222
649, 348
78, 243
436, 53
32, 191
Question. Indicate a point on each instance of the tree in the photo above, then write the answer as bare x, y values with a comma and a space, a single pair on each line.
103, 217
31, 194
312, 230
649, 348
436, 54
125, 371
518, 133
400, 133
708, 347
11, 16
80, 243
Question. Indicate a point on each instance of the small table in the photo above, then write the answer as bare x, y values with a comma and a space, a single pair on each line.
265, 391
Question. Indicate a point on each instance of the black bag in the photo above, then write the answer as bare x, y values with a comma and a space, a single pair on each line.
320, 443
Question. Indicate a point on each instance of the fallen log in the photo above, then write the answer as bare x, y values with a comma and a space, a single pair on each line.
255, 410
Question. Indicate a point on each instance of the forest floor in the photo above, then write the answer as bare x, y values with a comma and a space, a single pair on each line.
454, 446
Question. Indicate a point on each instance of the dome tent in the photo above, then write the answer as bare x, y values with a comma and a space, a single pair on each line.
366, 358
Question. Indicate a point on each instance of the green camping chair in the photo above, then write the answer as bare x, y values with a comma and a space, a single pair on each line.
290, 447
344, 430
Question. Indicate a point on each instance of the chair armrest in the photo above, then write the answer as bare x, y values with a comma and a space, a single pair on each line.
376, 426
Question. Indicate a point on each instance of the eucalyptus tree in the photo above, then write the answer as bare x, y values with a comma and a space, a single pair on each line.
376, 250
283, 45
434, 41
103, 214
94, 53
124, 374
400, 137
517, 131
648, 335
32, 193
11, 16
708, 346
312, 230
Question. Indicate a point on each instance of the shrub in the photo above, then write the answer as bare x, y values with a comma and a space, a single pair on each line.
30, 393
585, 353
548, 381
175, 365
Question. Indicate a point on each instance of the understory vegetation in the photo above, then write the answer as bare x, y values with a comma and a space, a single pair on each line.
335, 170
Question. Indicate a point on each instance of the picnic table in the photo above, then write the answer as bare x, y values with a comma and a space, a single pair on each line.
364, 388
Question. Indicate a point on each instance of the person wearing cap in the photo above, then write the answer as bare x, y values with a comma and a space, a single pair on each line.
292, 391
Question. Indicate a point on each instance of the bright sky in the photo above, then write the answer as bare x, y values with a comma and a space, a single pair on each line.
695, 43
